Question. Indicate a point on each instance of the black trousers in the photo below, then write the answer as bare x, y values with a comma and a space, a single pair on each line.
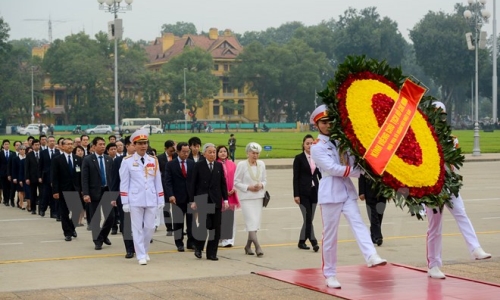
168, 217
67, 224
6, 187
308, 209
46, 199
34, 184
126, 228
375, 208
179, 213
99, 234
209, 225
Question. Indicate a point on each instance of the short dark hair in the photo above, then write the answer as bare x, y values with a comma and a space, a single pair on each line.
81, 136
5, 141
35, 141
127, 140
59, 139
109, 146
194, 141
111, 136
66, 139
231, 135
42, 136
169, 143
180, 145
97, 139
31, 137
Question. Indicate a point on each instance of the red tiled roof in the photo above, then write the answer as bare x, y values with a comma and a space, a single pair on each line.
224, 47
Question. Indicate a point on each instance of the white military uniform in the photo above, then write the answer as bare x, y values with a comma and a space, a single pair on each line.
141, 188
336, 195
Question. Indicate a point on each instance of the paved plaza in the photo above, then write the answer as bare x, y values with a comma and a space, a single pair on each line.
36, 262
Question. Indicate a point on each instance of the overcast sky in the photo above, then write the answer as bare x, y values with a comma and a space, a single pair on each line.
146, 17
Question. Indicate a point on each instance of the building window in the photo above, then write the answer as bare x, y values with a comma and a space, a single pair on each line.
227, 90
241, 107
59, 98
216, 108
216, 67
228, 107
226, 67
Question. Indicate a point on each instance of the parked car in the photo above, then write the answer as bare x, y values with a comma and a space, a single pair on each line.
99, 129
153, 128
33, 129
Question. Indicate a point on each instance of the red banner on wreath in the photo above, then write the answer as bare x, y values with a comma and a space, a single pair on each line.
394, 129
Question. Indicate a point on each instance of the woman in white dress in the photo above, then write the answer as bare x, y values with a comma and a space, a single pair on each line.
250, 181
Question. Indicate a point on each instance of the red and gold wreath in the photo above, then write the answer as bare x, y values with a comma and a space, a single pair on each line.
360, 99
365, 100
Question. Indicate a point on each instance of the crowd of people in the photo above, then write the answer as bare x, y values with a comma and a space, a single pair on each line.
194, 189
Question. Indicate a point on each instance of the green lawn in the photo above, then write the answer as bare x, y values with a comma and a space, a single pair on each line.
288, 144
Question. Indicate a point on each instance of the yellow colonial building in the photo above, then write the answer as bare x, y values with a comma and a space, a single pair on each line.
224, 50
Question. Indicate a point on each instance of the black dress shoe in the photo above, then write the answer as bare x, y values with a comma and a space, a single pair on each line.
67, 238
129, 255
98, 246
75, 234
42, 213
197, 253
88, 228
212, 258
12, 204
58, 219
180, 248
107, 242
114, 231
303, 246
379, 241
315, 248
33, 212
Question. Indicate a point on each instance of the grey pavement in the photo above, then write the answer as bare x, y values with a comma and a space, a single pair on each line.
36, 262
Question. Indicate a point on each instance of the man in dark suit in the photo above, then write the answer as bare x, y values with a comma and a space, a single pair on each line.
375, 207
163, 159
10, 171
305, 192
31, 171
44, 166
125, 223
208, 182
176, 182
96, 176
66, 177
5, 155
195, 145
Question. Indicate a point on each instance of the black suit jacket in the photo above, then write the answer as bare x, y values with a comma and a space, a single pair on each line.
31, 166
365, 187
61, 177
45, 163
303, 177
175, 184
10, 163
211, 183
4, 162
91, 176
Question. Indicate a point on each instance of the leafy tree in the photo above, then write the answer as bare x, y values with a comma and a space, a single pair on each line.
280, 35
364, 32
200, 82
179, 28
82, 66
4, 36
441, 50
284, 77
152, 84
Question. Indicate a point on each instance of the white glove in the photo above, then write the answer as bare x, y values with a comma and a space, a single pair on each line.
126, 208
161, 206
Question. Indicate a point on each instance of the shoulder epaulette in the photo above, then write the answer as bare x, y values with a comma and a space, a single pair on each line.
316, 141
128, 156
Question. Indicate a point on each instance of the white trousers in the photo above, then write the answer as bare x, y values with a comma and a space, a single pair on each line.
330, 214
143, 228
434, 231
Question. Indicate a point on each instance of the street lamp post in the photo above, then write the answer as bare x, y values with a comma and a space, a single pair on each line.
477, 16
185, 101
114, 7
32, 97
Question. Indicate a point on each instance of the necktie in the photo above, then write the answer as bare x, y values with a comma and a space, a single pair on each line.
311, 164
7, 154
101, 170
70, 164
142, 159
51, 153
36, 154
183, 168
211, 167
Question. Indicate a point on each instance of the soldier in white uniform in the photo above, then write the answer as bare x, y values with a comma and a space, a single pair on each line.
336, 195
141, 192
435, 227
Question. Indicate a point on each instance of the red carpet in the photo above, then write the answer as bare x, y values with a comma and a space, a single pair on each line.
388, 282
